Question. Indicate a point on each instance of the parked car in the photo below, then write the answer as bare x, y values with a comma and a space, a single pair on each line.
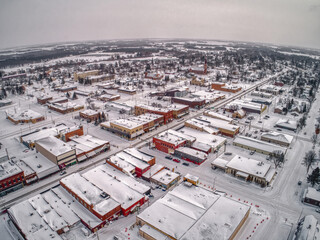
63, 172
185, 164
176, 160
318, 210
252, 152
299, 183
227, 153
168, 157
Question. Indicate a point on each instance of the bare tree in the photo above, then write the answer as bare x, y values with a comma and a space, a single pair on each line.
309, 159
314, 139
277, 157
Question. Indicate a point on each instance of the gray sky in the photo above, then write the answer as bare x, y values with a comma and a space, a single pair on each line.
289, 22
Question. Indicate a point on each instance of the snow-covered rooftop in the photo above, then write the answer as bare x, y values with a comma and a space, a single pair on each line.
23, 115
165, 176
192, 152
258, 144
8, 169
54, 145
116, 189
218, 123
278, 136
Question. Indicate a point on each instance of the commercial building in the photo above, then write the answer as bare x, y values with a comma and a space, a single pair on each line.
153, 76
222, 126
127, 90
171, 140
11, 177
89, 114
65, 108
208, 96
44, 99
220, 86
191, 102
247, 169
311, 196
66, 89
213, 114
205, 142
58, 100
261, 94
275, 90
129, 199
56, 151
165, 178
192, 212
191, 155
199, 70
165, 112
88, 146
5, 102
287, 124
108, 97
119, 107
239, 114
26, 116
277, 138
85, 74
257, 145
132, 161
91, 197
133, 127
245, 105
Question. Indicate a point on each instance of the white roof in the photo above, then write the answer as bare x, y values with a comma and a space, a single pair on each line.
40, 164
77, 208
250, 166
86, 143
132, 160
287, 123
258, 144
278, 136
173, 137
165, 176
192, 207
153, 170
117, 190
125, 179
30, 222
204, 137
89, 112
191, 177
312, 193
23, 115
54, 145
89, 193
220, 162
218, 222
138, 154
121, 163
218, 123
8, 169
309, 229
192, 152
218, 116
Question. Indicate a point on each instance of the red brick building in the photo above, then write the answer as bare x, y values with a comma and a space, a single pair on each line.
89, 114
11, 177
167, 142
200, 71
43, 100
191, 102
220, 86
166, 113
153, 76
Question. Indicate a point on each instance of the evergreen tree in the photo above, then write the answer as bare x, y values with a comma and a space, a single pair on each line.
314, 177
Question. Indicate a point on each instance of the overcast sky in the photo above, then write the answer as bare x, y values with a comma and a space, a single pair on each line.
288, 22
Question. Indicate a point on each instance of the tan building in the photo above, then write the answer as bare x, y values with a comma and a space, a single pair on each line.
56, 151
85, 74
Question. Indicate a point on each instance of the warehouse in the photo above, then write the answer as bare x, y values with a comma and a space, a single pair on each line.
165, 112
245, 105
287, 124
257, 145
191, 102
311, 196
200, 214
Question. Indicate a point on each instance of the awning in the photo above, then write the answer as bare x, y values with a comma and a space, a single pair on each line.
82, 158
242, 174
91, 154
137, 133
182, 114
